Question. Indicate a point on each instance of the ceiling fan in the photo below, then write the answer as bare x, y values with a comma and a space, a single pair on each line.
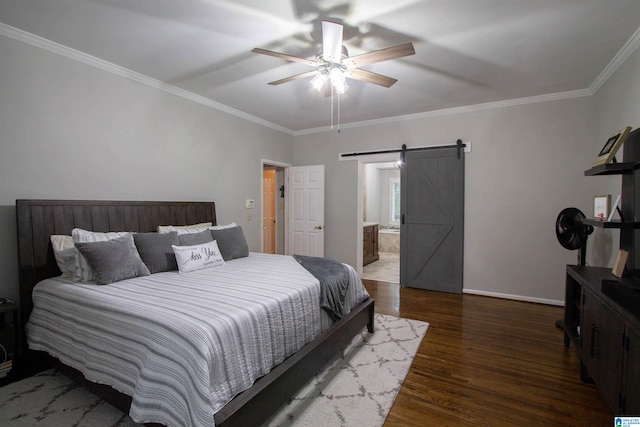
333, 64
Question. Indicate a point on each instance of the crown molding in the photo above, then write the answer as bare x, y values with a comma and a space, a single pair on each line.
76, 55
629, 47
6, 30
459, 110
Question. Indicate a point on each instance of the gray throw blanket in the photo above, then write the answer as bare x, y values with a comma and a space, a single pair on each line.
334, 280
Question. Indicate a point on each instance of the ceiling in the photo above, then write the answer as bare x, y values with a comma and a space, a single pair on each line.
468, 52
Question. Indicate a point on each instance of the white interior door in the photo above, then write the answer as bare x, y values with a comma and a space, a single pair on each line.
306, 210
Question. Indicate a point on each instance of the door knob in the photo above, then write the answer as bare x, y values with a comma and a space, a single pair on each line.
317, 227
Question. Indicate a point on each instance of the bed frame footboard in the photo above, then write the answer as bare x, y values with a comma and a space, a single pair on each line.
270, 392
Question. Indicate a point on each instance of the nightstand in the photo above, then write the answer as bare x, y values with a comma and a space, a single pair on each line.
9, 339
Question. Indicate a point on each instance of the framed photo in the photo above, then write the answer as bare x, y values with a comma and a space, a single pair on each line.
620, 263
611, 146
614, 208
601, 207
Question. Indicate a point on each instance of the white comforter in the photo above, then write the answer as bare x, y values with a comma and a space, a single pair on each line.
183, 345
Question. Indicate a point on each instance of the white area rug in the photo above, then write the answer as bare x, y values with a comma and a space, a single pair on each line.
357, 389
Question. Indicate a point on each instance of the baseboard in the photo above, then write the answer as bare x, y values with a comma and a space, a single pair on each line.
514, 297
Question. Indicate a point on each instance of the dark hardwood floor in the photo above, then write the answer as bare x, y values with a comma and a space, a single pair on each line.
488, 362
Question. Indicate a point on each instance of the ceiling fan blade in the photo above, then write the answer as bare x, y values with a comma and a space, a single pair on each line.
380, 55
286, 57
294, 77
331, 41
369, 77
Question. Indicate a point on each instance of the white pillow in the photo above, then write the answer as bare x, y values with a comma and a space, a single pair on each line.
83, 272
65, 253
197, 257
197, 228
222, 227
168, 228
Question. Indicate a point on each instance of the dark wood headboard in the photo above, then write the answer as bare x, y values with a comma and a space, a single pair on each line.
39, 219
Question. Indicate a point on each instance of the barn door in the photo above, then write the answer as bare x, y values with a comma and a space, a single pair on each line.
432, 219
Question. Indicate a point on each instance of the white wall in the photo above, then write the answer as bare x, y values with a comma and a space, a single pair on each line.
527, 164
71, 131
371, 183
385, 194
377, 191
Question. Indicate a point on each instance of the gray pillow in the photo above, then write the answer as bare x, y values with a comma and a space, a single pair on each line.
156, 251
193, 239
231, 242
113, 260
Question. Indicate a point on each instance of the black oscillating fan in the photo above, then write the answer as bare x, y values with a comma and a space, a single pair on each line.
572, 233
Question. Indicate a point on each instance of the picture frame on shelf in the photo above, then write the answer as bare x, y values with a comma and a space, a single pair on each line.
601, 207
620, 263
611, 146
614, 208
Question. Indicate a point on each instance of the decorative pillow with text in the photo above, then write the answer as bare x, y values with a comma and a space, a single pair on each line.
197, 257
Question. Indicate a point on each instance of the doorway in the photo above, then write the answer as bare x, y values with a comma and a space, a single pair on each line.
273, 208
431, 215
381, 209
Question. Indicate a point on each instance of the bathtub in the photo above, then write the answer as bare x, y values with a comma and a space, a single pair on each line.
389, 240
389, 231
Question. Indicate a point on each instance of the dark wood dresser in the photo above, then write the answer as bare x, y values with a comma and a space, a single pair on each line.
602, 312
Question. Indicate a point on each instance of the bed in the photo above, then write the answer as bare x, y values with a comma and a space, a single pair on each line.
39, 219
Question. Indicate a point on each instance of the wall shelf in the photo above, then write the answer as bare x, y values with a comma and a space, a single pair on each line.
611, 224
611, 169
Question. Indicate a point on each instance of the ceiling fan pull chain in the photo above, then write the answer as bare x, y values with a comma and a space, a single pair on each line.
338, 112
332, 107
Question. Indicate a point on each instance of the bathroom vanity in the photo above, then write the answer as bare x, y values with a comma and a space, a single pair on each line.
370, 244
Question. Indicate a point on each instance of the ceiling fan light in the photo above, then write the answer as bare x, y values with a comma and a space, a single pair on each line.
341, 88
336, 76
318, 81
338, 80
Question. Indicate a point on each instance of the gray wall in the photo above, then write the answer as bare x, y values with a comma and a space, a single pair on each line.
527, 164
71, 131
617, 104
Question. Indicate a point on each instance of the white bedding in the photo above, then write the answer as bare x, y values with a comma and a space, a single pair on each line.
183, 345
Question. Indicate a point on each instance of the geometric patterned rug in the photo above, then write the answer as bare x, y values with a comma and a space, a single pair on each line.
359, 388
356, 389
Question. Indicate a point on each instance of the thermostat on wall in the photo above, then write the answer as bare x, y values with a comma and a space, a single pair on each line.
249, 203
